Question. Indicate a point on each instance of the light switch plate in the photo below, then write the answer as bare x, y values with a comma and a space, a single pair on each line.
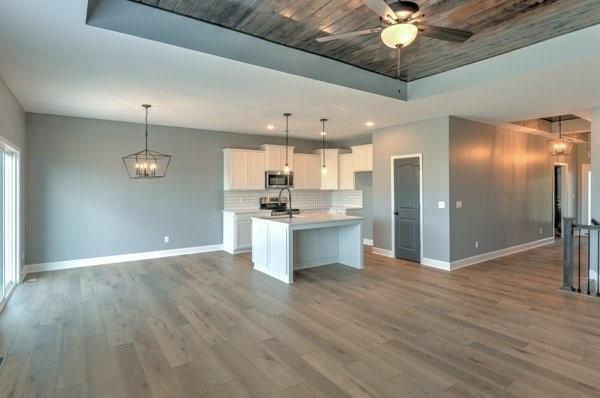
459, 204
441, 204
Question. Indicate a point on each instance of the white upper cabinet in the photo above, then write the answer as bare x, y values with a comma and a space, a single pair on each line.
363, 157
243, 169
275, 155
347, 171
307, 171
331, 180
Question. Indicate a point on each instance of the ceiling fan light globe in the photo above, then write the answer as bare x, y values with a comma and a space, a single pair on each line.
401, 34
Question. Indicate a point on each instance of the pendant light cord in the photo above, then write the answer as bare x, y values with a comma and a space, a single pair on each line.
146, 129
287, 117
560, 127
398, 47
323, 121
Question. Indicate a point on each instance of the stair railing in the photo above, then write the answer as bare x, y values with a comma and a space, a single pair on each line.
576, 276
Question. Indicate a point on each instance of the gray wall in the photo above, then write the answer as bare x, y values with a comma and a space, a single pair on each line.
347, 143
12, 128
429, 137
82, 203
504, 179
364, 182
12, 117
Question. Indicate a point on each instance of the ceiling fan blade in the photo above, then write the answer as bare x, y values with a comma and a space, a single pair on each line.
347, 35
448, 34
381, 8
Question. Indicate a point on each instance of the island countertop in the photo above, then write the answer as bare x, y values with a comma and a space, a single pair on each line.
307, 219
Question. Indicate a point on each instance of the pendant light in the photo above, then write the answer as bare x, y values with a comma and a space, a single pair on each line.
146, 164
560, 146
323, 134
286, 167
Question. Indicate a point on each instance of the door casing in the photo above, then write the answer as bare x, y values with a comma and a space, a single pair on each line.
392, 217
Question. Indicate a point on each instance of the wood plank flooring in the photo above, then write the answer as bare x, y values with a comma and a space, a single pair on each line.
206, 325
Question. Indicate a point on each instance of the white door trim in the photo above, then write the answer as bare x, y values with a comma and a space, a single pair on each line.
584, 193
10, 146
565, 194
407, 156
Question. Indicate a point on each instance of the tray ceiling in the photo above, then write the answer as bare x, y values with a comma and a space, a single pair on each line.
500, 26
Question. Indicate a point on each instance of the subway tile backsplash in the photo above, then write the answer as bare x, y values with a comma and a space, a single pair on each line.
346, 198
248, 200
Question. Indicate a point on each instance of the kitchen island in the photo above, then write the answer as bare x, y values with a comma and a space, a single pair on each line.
282, 244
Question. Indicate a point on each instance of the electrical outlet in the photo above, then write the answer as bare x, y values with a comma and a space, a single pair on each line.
166, 238
476, 244
541, 231
441, 204
459, 204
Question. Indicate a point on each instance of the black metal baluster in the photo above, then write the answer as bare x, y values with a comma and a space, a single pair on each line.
589, 256
589, 259
578, 257
579, 271
598, 264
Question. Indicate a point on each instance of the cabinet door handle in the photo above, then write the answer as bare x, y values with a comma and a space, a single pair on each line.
395, 213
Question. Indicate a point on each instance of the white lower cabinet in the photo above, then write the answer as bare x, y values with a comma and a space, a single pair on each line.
237, 231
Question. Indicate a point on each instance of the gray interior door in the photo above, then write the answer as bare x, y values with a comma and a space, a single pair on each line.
407, 219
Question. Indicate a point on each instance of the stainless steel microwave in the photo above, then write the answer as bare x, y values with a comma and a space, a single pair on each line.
278, 179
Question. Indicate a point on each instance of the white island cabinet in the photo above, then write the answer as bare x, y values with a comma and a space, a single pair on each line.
281, 245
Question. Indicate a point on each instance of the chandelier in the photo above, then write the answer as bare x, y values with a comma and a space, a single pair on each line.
560, 146
146, 164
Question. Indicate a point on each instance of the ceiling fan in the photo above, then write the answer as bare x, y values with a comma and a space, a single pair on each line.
400, 24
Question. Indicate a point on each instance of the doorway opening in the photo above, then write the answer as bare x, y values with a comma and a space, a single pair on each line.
560, 198
9, 215
407, 207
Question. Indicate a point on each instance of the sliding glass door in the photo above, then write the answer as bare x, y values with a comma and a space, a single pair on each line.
9, 215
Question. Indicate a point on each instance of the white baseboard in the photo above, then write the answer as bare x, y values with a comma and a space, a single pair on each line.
382, 252
454, 265
430, 262
368, 242
121, 258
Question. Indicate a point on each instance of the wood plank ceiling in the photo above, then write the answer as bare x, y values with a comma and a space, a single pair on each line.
500, 26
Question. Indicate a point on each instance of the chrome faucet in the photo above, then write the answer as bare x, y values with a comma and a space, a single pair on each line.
289, 203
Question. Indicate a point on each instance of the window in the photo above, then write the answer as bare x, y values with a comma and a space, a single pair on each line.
9, 214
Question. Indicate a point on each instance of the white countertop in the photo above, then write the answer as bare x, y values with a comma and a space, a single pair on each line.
305, 219
250, 211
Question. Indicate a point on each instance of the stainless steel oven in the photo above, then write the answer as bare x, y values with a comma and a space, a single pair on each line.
278, 179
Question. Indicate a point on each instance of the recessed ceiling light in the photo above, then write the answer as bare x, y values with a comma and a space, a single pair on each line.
369, 124
270, 127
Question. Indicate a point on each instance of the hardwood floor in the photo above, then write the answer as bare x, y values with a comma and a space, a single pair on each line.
207, 326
